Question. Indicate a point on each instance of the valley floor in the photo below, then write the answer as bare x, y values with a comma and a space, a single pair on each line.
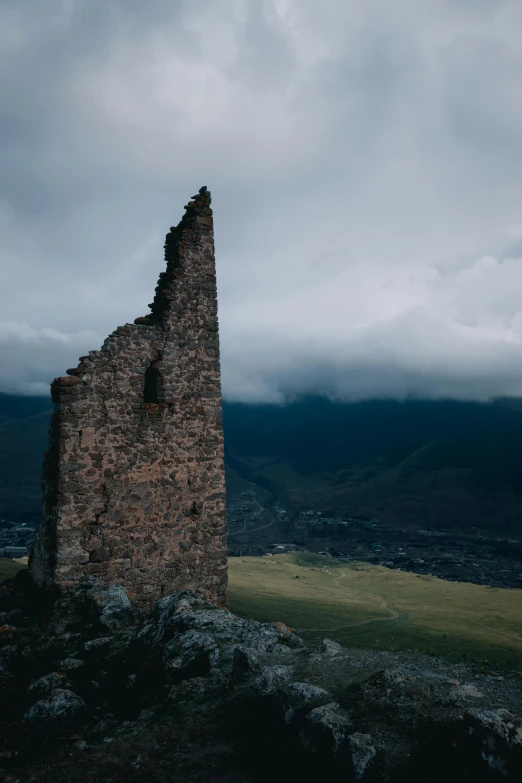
369, 606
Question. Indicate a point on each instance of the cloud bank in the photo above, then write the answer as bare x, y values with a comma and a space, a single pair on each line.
365, 163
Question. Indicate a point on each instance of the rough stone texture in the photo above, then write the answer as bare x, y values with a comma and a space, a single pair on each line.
190, 693
61, 705
133, 480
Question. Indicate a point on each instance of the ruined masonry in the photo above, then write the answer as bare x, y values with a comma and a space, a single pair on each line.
133, 482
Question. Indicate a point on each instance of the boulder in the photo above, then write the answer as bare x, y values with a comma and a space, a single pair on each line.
191, 654
361, 751
111, 606
244, 661
271, 679
252, 689
499, 736
70, 663
326, 730
464, 694
61, 708
297, 697
329, 648
46, 684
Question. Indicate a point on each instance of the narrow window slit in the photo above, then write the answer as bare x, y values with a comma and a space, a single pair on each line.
153, 390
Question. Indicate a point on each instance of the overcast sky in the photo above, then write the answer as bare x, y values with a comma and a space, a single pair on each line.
365, 163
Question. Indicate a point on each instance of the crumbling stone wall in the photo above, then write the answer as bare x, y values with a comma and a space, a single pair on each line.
133, 483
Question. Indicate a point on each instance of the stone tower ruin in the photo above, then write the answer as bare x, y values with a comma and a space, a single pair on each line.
133, 482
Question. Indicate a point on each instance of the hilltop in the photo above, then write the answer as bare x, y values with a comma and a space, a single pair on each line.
93, 689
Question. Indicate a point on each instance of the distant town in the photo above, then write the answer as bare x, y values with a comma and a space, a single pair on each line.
16, 538
257, 528
461, 556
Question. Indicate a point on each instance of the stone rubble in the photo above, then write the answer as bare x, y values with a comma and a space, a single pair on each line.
251, 692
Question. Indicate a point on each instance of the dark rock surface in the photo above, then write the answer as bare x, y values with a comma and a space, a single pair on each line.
91, 690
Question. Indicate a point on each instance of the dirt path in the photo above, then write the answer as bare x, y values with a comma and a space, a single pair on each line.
248, 530
394, 615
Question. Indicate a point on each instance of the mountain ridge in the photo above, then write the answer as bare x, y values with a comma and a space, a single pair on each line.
446, 463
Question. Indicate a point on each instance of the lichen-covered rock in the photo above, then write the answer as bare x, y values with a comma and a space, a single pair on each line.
397, 684
101, 645
192, 653
46, 684
199, 671
180, 612
244, 661
304, 694
61, 706
112, 607
300, 696
330, 648
464, 694
499, 735
284, 629
8, 633
187, 626
70, 663
361, 751
326, 730
271, 679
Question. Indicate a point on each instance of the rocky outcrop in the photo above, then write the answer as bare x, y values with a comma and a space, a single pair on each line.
93, 690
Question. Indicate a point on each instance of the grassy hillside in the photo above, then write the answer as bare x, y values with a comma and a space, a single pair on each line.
369, 606
22, 445
434, 464
9, 568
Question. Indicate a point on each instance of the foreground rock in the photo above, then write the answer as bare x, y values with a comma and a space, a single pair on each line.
92, 690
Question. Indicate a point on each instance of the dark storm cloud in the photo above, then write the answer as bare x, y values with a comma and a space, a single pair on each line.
365, 161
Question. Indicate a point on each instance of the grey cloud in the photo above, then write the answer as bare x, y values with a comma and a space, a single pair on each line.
31, 358
365, 164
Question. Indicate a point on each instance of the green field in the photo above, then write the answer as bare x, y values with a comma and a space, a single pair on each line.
8, 568
361, 605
